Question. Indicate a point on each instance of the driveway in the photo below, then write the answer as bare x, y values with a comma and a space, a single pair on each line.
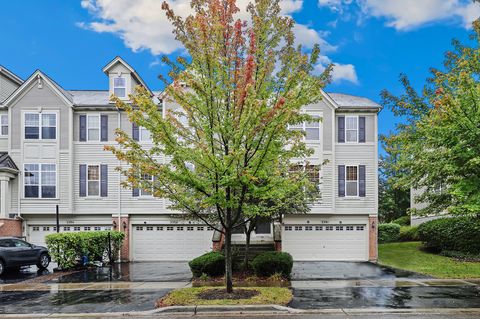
124, 287
323, 285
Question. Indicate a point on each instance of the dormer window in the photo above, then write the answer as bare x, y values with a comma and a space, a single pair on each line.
120, 87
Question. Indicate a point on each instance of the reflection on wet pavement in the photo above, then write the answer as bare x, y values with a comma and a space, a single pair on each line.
387, 297
22, 274
73, 301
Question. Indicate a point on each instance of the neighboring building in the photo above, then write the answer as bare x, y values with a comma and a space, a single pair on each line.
416, 220
51, 144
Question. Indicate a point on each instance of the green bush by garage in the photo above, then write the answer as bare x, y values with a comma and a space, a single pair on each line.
211, 264
273, 262
460, 234
67, 249
388, 233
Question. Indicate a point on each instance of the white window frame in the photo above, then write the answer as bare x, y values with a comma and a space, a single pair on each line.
40, 184
140, 136
2, 125
88, 127
142, 192
358, 182
120, 87
304, 125
40, 126
357, 129
88, 180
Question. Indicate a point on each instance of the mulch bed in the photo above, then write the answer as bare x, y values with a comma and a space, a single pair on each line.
241, 279
213, 294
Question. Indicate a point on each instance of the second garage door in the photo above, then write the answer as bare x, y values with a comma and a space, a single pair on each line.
169, 242
326, 242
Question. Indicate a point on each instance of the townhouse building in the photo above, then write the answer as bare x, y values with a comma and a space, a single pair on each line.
52, 153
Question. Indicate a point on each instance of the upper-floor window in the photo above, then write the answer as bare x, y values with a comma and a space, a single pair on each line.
93, 180
145, 134
3, 124
313, 172
40, 180
351, 173
120, 87
311, 129
93, 128
351, 128
149, 191
40, 126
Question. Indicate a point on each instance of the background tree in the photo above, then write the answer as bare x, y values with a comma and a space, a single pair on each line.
440, 140
227, 146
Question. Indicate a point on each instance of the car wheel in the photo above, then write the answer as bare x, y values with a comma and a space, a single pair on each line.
43, 261
2, 267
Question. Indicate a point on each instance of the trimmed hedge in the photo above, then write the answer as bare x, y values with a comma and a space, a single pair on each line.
451, 234
402, 221
408, 233
67, 249
388, 233
211, 264
273, 262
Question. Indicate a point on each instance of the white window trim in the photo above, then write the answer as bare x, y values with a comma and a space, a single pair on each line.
116, 76
40, 134
304, 128
358, 181
99, 180
1, 125
358, 129
99, 127
40, 181
141, 190
140, 139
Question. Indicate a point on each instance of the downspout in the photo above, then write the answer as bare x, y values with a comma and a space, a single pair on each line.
119, 192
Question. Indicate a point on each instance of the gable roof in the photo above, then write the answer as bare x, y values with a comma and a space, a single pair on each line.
346, 101
10, 75
7, 164
137, 77
64, 95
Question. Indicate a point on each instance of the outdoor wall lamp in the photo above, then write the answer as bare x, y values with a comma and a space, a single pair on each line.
373, 225
124, 225
114, 225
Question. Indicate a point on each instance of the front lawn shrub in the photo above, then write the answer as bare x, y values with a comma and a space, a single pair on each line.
67, 249
388, 233
272, 262
211, 264
402, 221
408, 233
460, 234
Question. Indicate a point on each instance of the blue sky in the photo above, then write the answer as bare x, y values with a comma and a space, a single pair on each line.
371, 41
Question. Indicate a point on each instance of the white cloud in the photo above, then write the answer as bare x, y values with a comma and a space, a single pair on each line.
144, 26
340, 72
409, 14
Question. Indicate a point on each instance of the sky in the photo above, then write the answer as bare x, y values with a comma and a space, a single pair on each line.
370, 42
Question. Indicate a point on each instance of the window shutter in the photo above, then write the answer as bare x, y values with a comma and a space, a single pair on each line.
104, 128
83, 128
341, 180
361, 129
361, 181
135, 132
341, 129
83, 180
103, 180
136, 192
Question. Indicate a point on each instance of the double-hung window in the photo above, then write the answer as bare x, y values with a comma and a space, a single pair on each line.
93, 180
149, 191
93, 128
351, 174
40, 180
144, 134
4, 125
351, 129
311, 129
40, 126
120, 87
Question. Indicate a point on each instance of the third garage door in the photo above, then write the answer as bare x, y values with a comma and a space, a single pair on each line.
170, 242
326, 242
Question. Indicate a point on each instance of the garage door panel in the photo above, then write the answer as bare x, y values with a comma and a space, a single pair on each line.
37, 233
320, 242
166, 242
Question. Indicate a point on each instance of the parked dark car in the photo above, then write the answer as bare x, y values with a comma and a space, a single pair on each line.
15, 253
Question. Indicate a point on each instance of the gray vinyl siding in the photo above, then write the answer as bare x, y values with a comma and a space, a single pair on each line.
7, 87
370, 119
112, 123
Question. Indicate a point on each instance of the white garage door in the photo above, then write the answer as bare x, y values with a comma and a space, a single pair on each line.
37, 233
326, 242
168, 242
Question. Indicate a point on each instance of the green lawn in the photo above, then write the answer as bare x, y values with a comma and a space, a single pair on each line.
408, 256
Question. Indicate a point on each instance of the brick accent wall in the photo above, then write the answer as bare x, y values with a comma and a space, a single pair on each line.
278, 245
124, 227
217, 245
10, 227
373, 238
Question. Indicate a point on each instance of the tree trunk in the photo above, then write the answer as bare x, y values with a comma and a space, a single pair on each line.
228, 260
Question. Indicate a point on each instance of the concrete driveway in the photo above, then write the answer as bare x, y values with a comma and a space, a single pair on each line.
323, 285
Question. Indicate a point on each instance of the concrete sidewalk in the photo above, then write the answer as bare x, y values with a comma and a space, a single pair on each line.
54, 287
